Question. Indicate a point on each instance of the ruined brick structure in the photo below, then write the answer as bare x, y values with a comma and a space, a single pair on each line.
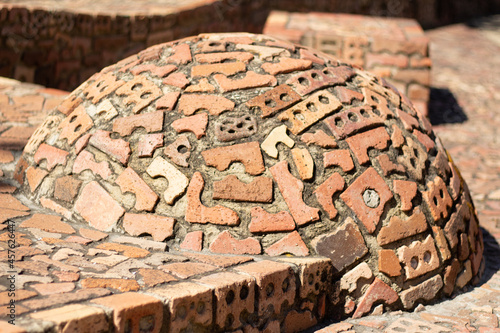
248, 145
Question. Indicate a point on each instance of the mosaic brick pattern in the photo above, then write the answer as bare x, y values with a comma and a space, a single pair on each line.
395, 49
269, 148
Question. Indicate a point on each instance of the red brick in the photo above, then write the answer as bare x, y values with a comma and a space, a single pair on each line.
76, 124
53, 288
424, 140
78, 239
196, 124
263, 222
455, 182
20, 295
413, 158
118, 284
438, 199
426, 290
309, 111
360, 143
251, 80
179, 151
9, 202
159, 71
66, 276
130, 309
338, 157
346, 96
92, 234
151, 122
6, 327
226, 243
153, 277
233, 128
159, 227
140, 98
378, 291
167, 101
117, 148
54, 156
286, 65
247, 153
219, 57
228, 69
276, 284
367, 197
222, 261
35, 176
319, 138
177, 80
314, 79
290, 244
352, 120
130, 181
384, 59
50, 223
215, 105
344, 246
97, 207
196, 212
86, 161
66, 188
64, 298
6, 156
356, 278
77, 317
234, 296
419, 258
324, 193
420, 76
179, 300
148, 143
389, 166
203, 86
193, 241
274, 100
185, 270
397, 138
408, 121
388, 263
406, 190
399, 229
410, 325
299, 321
231, 188
291, 188
303, 162
126, 250
418, 92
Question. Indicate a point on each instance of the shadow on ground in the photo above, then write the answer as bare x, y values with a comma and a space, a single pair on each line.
444, 108
491, 256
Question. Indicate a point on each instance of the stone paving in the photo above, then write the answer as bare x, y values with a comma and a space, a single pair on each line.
477, 309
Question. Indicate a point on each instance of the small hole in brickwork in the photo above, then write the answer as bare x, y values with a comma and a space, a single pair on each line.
427, 256
298, 115
311, 107
285, 285
248, 118
323, 99
316, 77
244, 292
128, 326
229, 320
77, 128
303, 81
182, 149
364, 113
441, 193
145, 95
316, 286
375, 99
352, 117
214, 44
324, 276
414, 262
230, 297
413, 162
310, 279
239, 125
376, 111
250, 128
147, 324
200, 308
338, 122
73, 119
182, 312
399, 329
231, 131
285, 97
371, 198
271, 103
136, 86
435, 201
270, 290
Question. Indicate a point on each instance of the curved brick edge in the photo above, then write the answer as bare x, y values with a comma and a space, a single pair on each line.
399, 261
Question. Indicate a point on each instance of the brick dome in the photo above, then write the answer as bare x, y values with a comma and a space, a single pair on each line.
244, 144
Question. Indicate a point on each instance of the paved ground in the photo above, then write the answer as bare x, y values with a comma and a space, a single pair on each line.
464, 110
466, 76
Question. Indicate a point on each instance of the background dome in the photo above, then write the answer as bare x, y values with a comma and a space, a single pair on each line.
244, 144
